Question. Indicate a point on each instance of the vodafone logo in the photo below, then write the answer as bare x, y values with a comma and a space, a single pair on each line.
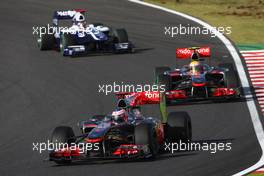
187, 53
204, 51
152, 94
184, 51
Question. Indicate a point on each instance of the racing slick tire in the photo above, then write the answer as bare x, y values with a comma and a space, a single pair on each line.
65, 41
178, 127
230, 77
46, 42
145, 134
120, 35
65, 135
62, 134
162, 79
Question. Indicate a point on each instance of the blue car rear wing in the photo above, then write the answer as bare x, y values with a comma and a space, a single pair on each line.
65, 15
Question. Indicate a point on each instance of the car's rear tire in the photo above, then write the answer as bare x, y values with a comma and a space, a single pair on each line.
65, 41
230, 76
165, 82
146, 135
120, 35
162, 79
65, 135
46, 42
178, 127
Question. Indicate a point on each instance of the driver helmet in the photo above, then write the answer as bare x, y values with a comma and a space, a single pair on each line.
196, 67
120, 116
79, 19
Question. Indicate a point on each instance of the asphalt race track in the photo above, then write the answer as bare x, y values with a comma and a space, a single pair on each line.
41, 90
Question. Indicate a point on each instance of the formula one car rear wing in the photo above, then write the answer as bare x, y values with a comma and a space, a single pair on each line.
133, 99
65, 15
136, 99
187, 53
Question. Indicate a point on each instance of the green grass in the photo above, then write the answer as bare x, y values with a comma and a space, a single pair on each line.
246, 17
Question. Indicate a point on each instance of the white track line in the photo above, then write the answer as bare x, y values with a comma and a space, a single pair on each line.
260, 94
259, 72
254, 55
256, 76
254, 61
254, 58
256, 68
242, 75
252, 51
259, 171
257, 79
259, 90
255, 65
262, 169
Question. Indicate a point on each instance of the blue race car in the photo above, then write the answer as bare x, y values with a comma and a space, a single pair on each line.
80, 38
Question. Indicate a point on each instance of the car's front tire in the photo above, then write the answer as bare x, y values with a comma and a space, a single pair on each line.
120, 35
178, 127
46, 42
230, 76
65, 41
62, 135
146, 135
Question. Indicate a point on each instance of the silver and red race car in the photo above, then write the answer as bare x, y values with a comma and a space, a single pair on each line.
123, 134
197, 80
191, 83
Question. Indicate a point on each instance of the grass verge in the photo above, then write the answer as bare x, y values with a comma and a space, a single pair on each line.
245, 17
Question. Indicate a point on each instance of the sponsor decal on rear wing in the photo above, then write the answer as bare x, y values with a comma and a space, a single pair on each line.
186, 53
139, 98
65, 15
124, 95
